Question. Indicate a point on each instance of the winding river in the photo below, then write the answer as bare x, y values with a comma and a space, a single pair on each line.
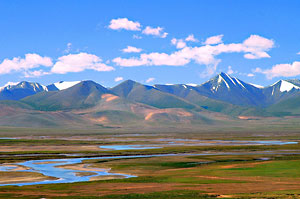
177, 142
54, 167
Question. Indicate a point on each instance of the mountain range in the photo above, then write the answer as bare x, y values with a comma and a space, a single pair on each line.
87, 103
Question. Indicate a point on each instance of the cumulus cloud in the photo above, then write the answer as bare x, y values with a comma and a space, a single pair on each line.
214, 40
159, 32
257, 47
35, 73
68, 49
34, 65
117, 79
124, 23
151, 79
79, 62
137, 37
152, 59
257, 41
281, 70
18, 64
179, 43
191, 38
131, 49
203, 55
210, 69
230, 71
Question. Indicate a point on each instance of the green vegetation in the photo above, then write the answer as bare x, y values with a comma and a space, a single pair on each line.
175, 177
83, 95
182, 194
251, 172
288, 169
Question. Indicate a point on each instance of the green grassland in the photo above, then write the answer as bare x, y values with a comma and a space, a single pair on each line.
190, 177
253, 172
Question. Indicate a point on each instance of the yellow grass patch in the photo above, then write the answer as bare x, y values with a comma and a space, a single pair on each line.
109, 97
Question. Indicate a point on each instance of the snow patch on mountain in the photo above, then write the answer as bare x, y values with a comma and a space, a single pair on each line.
230, 78
256, 85
220, 79
44, 87
64, 85
287, 86
191, 84
8, 85
240, 83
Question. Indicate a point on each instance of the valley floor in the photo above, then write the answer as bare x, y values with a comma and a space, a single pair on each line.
181, 167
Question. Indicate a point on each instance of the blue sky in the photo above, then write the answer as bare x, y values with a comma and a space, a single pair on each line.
50, 41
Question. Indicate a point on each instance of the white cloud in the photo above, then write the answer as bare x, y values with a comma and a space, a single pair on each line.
152, 59
79, 62
124, 23
230, 71
137, 37
68, 49
131, 62
131, 49
250, 75
257, 41
257, 55
151, 79
179, 43
117, 79
191, 38
36, 73
33, 65
203, 55
18, 64
214, 40
298, 53
281, 70
210, 69
257, 47
159, 32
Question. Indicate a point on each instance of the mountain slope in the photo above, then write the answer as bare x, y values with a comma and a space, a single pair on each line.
287, 107
281, 90
20, 90
149, 95
15, 113
232, 90
61, 85
83, 95
192, 94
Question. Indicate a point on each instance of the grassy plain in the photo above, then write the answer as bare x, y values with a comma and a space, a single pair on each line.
243, 171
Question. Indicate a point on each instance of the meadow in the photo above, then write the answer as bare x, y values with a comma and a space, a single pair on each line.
180, 170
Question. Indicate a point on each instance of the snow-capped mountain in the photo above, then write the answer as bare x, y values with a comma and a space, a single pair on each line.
220, 89
19, 90
8, 85
16, 91
283, 86
281, 90
226, 88
230, 89
61, 85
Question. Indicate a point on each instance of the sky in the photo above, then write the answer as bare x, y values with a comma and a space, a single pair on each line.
152, 42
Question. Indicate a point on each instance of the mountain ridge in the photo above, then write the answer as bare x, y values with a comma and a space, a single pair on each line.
220, 99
